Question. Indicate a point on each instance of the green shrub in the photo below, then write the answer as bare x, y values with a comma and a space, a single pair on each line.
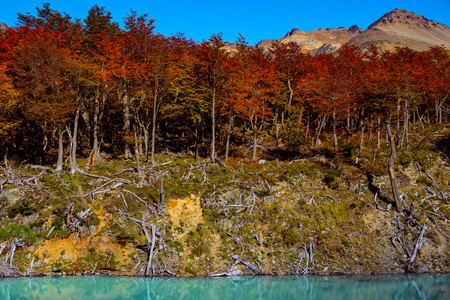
330, 177
349, 151
425, 158
405, 158
36, 224
18, 231
290, 237
24, 208
424, 180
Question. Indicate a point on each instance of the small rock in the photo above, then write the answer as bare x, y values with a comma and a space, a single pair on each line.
66, 257
39, 264
92, 229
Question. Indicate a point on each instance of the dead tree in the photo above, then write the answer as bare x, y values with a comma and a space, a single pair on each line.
138, 168
3, 246
162, 193
13, 245
150, 240
75, 222
417, 245
308, 254
391, 170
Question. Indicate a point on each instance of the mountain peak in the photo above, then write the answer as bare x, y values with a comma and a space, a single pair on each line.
3, 25
354, 29
400, 27
401, 17
294, 31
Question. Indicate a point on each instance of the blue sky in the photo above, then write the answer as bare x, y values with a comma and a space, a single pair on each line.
255, 20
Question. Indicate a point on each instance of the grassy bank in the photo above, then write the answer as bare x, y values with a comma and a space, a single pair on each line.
321, 212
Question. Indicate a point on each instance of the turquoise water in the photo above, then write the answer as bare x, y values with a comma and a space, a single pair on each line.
288, 287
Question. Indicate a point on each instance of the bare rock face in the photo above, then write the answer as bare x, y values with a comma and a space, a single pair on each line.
325, 48
403, 28
3, 26
354, 29
317, 39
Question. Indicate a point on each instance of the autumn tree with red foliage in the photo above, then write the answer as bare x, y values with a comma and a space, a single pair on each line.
94, 85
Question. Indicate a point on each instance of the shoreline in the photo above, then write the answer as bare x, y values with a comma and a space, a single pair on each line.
320, 274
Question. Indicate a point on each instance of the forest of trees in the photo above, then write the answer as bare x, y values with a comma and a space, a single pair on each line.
70, 87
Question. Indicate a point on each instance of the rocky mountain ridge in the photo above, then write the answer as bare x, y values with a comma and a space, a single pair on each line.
396, 28
315, 39
403, 28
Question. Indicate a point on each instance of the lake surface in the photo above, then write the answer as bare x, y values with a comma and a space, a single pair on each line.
285, 287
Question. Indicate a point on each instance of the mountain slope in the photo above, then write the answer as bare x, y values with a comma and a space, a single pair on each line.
396, 28
403, 28
316, 39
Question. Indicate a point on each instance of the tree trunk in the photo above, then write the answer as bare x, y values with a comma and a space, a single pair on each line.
155, 109
150, 252
319, 129
406, 125
145, 142
335, 141
438, 107
213, 129
229, 131
73, 153
291, 92
378, 133
138, 168
397, 128
361, 142
277, 130
95, 153
348, 126
126, 122
391, 170
59, 163
255, 129
196, 142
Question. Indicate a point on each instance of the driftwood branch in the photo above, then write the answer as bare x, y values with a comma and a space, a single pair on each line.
388, 207
138, 198
332, 198
119, 181
42, 168
433, 194
245, 263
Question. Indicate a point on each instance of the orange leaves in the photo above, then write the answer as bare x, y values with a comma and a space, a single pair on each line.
252, 83
40, 65
9, 107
